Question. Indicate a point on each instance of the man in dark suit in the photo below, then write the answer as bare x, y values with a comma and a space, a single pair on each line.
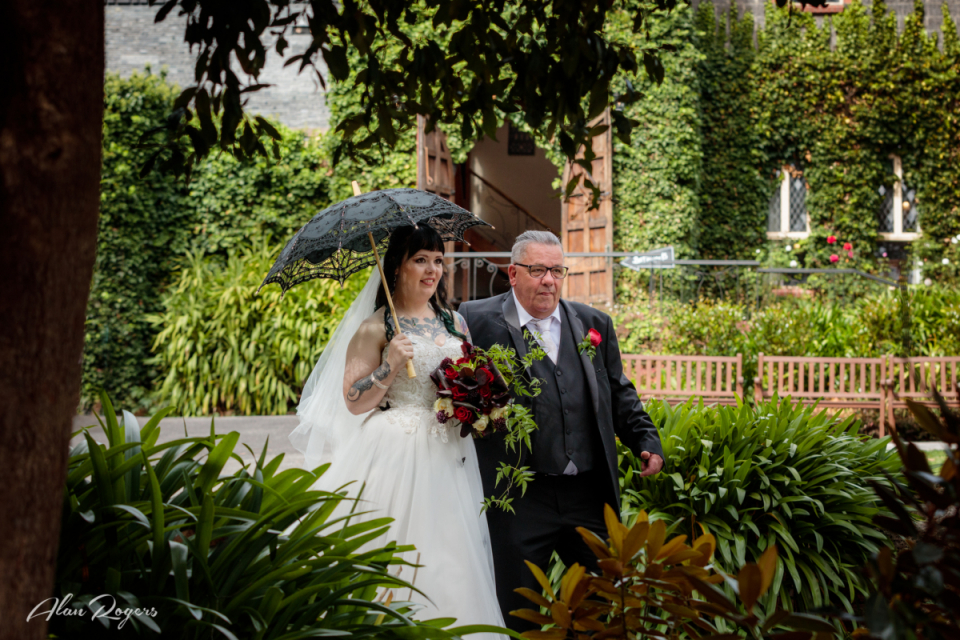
584, 404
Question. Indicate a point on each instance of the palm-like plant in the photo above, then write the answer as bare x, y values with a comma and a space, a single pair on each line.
778, 474
256, 554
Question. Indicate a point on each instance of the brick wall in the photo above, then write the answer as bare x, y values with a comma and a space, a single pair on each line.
133, 41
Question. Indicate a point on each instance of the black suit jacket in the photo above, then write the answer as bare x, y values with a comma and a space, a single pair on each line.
615, 402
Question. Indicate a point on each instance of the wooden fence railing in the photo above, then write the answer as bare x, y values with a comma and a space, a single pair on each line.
676, 378
883, 383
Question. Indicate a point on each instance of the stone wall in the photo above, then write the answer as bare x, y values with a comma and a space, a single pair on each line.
134, 42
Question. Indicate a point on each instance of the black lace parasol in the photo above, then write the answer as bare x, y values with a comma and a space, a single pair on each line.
336, 242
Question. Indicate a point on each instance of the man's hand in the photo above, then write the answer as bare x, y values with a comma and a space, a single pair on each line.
652, 463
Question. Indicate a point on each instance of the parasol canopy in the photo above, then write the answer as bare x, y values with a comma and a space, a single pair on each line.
337, 241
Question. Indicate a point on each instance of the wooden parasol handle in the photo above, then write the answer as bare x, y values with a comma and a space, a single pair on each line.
411, 372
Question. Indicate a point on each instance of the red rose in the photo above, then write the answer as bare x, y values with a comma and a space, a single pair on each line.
595, 338
484, 391
460, 394
831, 239
847, 246
834, 258
463, 414
450, 372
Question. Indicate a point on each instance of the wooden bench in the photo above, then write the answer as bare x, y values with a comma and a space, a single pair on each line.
717, 379
842, 383
913, 379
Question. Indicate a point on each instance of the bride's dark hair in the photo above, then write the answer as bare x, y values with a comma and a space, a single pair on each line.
405, 242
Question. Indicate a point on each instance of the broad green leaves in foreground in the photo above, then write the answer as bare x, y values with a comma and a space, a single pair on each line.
256, 554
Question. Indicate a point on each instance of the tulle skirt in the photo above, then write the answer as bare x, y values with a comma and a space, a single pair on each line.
426, 478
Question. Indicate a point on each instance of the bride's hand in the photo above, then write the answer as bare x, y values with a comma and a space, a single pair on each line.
401, 350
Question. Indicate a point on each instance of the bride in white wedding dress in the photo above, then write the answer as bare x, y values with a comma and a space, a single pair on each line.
381, 432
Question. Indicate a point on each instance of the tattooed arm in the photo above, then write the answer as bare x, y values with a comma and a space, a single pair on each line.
461, 326
364, 368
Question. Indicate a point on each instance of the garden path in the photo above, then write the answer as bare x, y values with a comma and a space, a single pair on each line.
254, 431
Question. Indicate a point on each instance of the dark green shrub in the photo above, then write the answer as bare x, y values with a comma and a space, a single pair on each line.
223, 347
148, 224
915, 591
144, 227
777, 474
203, 554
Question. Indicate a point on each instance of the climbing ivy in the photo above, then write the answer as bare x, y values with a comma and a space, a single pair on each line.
731, 115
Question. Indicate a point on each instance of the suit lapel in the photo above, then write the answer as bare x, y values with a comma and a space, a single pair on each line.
588, 369
513, 324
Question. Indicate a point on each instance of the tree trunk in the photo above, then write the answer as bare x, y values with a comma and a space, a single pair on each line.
51, 114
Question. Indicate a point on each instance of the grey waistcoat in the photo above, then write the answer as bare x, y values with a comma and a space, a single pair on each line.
567, 428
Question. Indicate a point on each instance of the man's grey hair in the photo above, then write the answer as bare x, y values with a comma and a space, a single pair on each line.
528, 238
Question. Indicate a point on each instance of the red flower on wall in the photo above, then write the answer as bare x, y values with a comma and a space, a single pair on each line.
834, 258
831, 239
847, 246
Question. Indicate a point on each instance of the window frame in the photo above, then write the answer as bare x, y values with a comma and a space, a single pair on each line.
898, 234
785, 212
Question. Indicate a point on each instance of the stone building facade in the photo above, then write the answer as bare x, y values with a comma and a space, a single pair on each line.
134, 41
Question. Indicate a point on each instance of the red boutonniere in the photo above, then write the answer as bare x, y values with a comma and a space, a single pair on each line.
590, 343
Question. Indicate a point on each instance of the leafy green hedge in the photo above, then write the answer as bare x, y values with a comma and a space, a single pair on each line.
144, 225
868, 327
775, 474
148, 225
226, 349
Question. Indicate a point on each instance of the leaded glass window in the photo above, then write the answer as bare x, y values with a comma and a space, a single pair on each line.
798, 204
910, 210
898, 214
787, 208
773, 212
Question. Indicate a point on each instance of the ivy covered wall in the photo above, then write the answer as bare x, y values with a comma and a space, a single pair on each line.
832, 109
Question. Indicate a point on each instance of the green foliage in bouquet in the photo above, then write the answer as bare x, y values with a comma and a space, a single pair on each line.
778, 474
651, 587
202, 553
226, 348
520, 423
503, 377
915, 591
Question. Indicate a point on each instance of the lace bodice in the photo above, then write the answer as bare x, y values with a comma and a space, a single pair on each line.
411, 399
420, 392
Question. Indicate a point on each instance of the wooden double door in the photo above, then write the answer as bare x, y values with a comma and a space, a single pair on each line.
583, 229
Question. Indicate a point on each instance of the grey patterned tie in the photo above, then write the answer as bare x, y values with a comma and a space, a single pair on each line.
542, 327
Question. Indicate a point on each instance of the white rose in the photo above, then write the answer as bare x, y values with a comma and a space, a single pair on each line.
499, 412
445, 405
481, 424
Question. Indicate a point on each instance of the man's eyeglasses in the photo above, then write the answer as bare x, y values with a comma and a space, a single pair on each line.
538, 270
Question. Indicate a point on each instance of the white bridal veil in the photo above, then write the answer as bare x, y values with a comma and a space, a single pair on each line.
325, 422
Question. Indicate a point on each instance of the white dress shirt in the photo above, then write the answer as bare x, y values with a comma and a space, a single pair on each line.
550, 326
550, 329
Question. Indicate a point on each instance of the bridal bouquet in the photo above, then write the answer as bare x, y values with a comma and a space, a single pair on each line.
477, 392
472, 391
